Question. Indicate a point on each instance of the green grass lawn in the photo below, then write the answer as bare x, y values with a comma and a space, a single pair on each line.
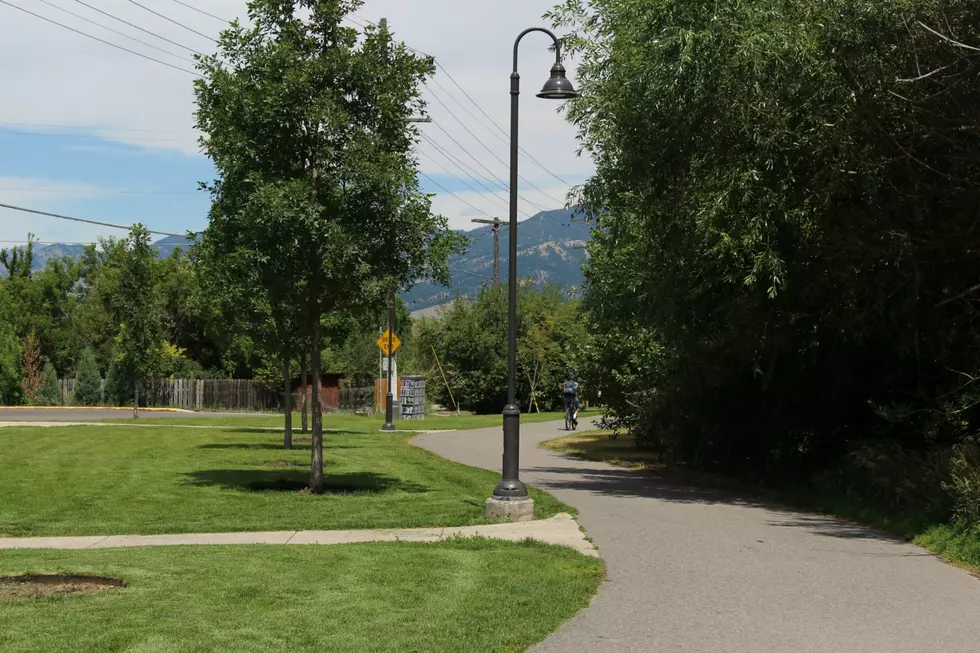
101, 480
465, 596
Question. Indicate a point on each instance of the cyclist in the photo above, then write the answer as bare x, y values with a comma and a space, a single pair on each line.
569, 391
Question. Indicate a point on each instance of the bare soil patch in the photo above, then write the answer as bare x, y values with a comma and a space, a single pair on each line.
280, 463
47, 586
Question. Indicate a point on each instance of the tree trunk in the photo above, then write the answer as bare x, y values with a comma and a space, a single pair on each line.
136, 397
287, 442
317, 483
306, 394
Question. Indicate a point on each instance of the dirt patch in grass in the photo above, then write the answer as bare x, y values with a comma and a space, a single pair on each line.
48, 586
280, 463
303, 440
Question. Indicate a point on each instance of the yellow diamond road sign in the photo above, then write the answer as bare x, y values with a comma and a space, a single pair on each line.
383, 342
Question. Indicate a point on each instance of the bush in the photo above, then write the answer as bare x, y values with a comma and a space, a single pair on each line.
88, 381
50, 394
965, 486
118, 385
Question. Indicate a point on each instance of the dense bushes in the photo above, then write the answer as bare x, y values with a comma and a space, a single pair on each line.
471, 341
787, 264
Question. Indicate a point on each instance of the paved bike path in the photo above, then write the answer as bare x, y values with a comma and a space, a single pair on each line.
693, 570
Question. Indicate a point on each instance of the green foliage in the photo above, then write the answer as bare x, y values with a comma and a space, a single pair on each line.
141, 336
118, 384
470, 339
49, 395
786, 263
10, 352
88, 381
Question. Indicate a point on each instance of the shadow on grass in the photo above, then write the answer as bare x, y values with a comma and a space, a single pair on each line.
261, 446
294, 480
278, 429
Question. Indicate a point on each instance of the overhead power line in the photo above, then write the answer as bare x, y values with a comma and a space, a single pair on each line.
115, 31
495, 124
171, 20
134, 26
201, 11
482, 276
504, 134
463, 167
491, 152
451, 174
96, 38
67, 217
436, 183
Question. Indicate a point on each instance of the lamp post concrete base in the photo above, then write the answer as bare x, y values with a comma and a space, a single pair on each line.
512, 510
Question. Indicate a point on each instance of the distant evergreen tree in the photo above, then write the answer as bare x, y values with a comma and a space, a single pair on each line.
88, 381
50, 396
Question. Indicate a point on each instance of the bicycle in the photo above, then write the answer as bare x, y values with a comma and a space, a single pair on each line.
570, 422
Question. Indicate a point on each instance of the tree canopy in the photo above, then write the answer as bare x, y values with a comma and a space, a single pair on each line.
787, 198
317, 195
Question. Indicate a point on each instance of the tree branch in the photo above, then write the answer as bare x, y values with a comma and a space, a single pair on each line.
946, 38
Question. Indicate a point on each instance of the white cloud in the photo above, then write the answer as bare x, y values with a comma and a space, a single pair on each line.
53, 76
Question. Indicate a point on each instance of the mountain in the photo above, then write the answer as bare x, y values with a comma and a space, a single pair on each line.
550, 251
45, 253
166, 246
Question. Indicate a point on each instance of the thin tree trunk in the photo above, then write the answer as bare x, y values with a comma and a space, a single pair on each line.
136, 398
287, 442
306, 394
317, 482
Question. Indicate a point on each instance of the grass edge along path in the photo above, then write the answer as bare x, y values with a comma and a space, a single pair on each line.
953, 543
354, 598
92, 480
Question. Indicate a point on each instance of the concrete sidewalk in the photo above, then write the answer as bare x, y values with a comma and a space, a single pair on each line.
561, 529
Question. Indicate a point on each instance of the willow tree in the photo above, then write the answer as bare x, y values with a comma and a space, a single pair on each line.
788, 247
309, 127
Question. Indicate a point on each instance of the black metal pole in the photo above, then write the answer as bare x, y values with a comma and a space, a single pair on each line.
389, 424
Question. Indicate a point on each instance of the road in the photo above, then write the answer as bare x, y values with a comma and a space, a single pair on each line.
89, 414
700, 571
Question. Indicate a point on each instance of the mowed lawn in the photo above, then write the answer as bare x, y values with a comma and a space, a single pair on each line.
465, 596
123, 479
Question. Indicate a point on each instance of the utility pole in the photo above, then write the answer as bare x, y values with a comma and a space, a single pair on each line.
495, 226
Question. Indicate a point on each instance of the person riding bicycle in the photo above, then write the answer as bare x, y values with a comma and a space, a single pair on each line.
569, 391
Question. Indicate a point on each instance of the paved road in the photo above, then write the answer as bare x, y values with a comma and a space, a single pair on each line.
691, 570
88, 414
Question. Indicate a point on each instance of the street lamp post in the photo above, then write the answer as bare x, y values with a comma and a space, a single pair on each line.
510, 499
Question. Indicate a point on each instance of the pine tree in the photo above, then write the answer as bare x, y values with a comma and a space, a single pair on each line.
88, 381
50, 395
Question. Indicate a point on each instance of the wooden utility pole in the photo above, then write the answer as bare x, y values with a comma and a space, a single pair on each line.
495, 226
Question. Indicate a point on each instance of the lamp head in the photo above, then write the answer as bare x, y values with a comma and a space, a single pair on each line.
558, 87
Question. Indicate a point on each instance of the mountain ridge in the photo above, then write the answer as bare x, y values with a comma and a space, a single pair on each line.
551, 250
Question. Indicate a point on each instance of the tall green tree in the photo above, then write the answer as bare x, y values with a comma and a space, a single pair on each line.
787, 194
141, 334
309, 129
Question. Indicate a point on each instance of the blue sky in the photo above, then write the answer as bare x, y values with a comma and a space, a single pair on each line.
124, 149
